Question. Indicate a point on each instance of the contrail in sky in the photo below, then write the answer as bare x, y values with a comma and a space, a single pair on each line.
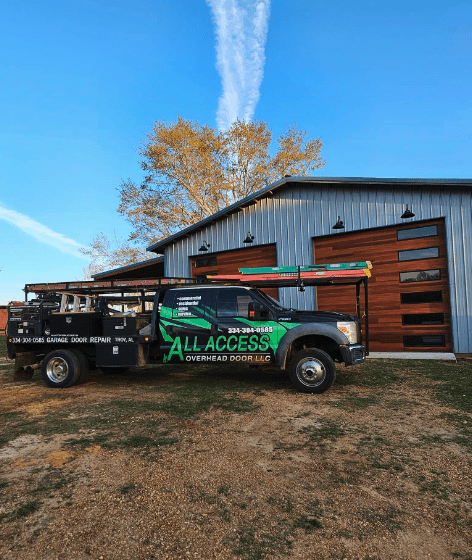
241, 32
41, 232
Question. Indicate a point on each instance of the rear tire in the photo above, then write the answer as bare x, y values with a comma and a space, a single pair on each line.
60, 369
84, 365
312, 371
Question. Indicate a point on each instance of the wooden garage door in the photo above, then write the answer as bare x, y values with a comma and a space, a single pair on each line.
229, 262
408, 292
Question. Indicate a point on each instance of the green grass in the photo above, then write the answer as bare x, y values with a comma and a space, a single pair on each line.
452, 382
451, 385
329, 430
252, 545
23, 510
372, 373
51, 481
193, 399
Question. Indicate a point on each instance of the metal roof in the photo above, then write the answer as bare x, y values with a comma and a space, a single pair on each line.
130, 266
267, 191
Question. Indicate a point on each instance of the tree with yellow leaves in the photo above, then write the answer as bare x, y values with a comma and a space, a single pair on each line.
191, 171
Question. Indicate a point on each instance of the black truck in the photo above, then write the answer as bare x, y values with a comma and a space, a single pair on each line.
71, 328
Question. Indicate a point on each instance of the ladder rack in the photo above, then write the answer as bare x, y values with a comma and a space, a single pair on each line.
353, 273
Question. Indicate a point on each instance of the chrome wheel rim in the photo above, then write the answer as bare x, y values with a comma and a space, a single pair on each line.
311, 371
57, 370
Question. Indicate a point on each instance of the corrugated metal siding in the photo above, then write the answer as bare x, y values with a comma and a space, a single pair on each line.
294, 215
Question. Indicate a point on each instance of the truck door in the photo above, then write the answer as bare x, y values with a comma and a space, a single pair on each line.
240, 337
184, 328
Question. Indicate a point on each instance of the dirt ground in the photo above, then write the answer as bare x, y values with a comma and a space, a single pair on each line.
359, 472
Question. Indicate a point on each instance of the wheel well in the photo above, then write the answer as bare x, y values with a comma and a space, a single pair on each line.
324, 343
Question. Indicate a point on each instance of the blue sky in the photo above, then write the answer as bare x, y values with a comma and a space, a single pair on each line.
386, 86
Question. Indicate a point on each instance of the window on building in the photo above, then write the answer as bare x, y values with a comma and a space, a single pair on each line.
420, 276
417, 254
424, 340
422, 297
423, 319
415, 233
205, 262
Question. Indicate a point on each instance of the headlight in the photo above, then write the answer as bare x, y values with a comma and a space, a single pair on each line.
349, 329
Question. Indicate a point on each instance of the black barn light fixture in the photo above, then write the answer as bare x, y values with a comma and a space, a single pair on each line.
339, 224
204, 246
407, 214
249, 238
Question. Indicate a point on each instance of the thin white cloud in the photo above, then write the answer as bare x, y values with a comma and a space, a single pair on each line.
40, 232
241, 33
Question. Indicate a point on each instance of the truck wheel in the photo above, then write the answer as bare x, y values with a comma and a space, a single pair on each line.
312, 371
60, 368
84, 365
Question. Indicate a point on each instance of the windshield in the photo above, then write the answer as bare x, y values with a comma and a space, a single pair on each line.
271, 301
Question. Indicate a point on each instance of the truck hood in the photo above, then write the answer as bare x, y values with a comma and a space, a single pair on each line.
299, 316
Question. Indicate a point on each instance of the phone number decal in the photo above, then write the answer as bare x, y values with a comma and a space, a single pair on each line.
245, 330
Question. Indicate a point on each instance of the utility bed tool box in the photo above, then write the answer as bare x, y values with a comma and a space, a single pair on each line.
76, 324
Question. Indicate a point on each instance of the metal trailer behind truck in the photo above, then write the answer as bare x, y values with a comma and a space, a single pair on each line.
72, 327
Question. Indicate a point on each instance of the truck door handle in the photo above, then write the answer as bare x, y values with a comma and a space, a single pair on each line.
214, 328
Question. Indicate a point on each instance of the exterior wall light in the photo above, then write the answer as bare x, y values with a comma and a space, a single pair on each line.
249, 238
204, 246
339, 224
407, 214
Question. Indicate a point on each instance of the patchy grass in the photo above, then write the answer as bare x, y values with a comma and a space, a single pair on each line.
3, 346
451, 385
147, 422
451, 382
354, 402
373, 459
23, 510
127, 488
328, 430
372, 373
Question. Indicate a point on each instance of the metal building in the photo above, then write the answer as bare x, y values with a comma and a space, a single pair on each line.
416, 232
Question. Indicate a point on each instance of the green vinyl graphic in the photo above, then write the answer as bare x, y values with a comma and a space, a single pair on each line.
193, 339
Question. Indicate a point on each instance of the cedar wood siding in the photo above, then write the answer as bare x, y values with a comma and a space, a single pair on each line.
386, 329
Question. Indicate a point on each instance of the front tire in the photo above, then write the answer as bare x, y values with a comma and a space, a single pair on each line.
312, 371
60, 369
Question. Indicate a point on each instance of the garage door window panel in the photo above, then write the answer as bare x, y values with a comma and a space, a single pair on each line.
418, 254
423, 319
416, 233
420, 276
421, 297
424, 341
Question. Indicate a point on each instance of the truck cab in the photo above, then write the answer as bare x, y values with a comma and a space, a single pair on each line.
238, 324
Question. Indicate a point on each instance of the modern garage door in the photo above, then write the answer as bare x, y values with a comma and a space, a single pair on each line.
229, 262
408, 293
